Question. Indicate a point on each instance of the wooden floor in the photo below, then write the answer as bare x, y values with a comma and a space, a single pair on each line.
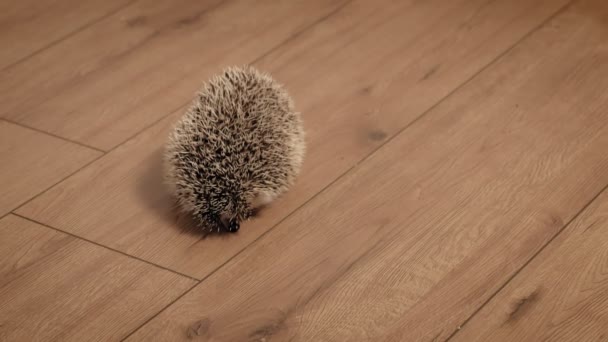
453, 188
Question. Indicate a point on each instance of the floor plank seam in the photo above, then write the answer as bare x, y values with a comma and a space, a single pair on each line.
141, 131
468, 319
540, 250
37, 130
67, 36
58, 182
105, 247
160, 311
300, 32
455, 332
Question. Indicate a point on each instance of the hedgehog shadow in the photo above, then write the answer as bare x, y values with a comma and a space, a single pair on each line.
155, 196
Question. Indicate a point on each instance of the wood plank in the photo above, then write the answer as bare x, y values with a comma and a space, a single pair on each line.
127, 208
28, 26
113, 79
562, 295
416, 238
31, 162
56, 287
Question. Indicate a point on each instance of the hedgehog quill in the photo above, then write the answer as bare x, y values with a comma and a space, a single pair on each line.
237, 148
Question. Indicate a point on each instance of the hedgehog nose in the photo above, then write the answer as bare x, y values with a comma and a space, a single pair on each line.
234, 226
231, 225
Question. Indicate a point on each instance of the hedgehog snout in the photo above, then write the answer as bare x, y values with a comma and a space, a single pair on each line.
234, 226
231, 225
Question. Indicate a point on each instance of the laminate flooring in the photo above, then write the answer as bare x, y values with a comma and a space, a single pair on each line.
453, 186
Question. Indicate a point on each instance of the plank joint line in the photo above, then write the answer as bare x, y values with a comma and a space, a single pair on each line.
105, 247
68, 35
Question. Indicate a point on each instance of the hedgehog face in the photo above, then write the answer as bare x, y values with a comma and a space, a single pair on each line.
224, 212
221, 222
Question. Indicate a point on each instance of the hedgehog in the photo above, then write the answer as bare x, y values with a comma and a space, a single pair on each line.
238, 147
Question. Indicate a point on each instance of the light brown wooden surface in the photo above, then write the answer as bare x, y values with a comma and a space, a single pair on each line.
56, 287
113, 79
448, 143
31, 162
416, 238
561, 296
29, 26
352, 113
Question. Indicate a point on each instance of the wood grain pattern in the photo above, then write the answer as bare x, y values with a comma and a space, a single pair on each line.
56, 287
416, 238
117, 77
561, 296
30, 162
352, 113
28, 26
